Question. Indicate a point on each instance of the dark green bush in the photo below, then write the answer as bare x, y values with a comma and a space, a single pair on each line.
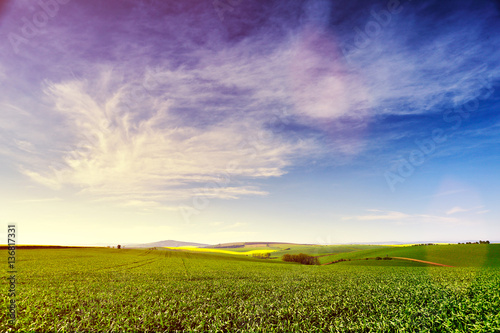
302, 258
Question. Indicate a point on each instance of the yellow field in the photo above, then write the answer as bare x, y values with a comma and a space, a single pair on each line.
197, 249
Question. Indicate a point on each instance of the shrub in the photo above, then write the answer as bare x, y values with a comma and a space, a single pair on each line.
302, 258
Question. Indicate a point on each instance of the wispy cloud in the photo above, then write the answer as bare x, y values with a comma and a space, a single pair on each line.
223, 226
40, 200
478, 210
417, 77
192, 109
455, 210
116, 151
400, 217
216, 224
235, 225
446, 193
380, 215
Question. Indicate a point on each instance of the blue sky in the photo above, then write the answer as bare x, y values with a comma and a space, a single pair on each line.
218, 121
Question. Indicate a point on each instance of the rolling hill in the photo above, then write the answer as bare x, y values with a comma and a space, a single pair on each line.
459, 255
166, 243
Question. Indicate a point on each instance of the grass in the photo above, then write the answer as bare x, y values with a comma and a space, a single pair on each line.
140, 290
318, 250
383, 263
463, 255
279, 250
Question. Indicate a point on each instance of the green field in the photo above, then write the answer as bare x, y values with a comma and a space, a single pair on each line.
318, 250
163, 290
277, 250
464, 255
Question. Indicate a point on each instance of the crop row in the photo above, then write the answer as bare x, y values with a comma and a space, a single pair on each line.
166, 290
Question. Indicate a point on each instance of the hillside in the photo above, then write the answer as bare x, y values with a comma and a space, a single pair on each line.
463, 255
165, 243
458, 255
275, 245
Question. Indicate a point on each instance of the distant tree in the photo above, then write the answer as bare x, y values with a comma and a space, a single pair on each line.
119, 247
302, 258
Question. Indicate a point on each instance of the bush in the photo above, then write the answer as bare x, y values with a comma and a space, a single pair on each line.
302, 258
262, 255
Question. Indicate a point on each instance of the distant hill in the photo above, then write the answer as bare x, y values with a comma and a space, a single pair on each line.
165, 243
250, 244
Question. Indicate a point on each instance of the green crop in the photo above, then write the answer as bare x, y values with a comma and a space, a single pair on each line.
137, 290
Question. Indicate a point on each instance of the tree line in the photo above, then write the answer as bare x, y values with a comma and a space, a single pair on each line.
480, 242
302, 258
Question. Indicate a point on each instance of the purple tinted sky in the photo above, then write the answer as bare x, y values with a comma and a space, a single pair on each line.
306, 121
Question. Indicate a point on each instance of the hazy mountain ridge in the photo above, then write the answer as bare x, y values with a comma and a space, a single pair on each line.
175, 243
165, 243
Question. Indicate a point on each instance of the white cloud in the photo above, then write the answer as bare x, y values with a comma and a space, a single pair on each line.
235, 225
381, 215
25, 146
216, 224
323, 87
400, 217
446, 193
455, 210
476, 210
166, 141
41, 200
413, 78
141, 158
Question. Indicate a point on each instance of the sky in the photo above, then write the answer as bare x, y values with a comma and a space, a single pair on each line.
313, 121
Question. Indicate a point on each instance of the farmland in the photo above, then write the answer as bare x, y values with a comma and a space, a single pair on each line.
455, 255
155, 290
232, 251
